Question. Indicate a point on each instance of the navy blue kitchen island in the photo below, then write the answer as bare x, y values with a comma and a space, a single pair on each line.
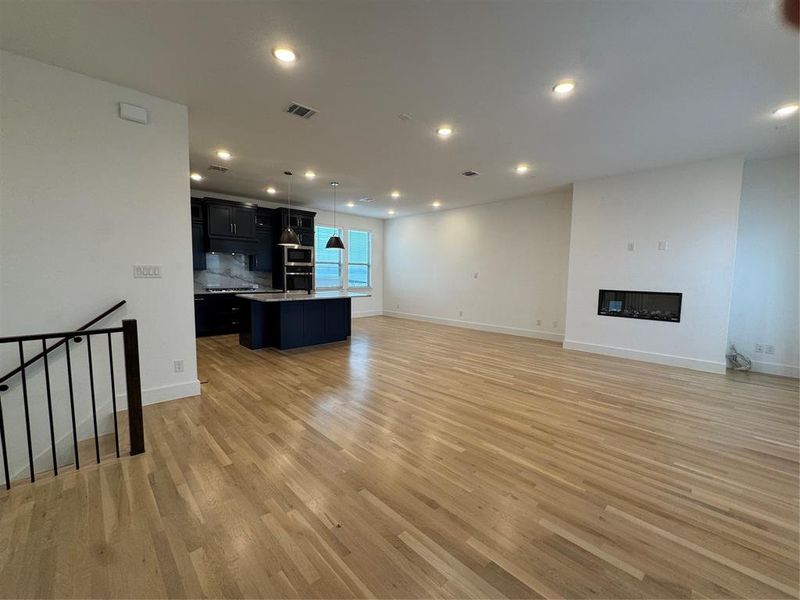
295, 319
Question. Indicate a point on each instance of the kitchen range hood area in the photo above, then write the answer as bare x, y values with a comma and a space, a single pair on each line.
234, 247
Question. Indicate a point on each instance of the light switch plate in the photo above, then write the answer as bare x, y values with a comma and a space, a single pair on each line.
147, 271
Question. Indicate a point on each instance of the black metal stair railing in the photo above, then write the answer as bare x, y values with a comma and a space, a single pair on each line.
130, 342
58, 344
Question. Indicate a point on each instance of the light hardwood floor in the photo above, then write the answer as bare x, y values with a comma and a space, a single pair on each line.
423, 461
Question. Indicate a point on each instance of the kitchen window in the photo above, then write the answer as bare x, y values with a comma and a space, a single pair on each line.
359, 259
327, 261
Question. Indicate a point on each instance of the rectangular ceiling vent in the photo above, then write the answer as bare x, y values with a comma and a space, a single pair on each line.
470, 173
365, 199
218, 168
301, 111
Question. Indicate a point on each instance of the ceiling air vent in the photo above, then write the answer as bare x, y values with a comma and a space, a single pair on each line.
218, 168
301, 111
470, 173
365, 199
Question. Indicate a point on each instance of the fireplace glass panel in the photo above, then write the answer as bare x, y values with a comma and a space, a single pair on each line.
655, 306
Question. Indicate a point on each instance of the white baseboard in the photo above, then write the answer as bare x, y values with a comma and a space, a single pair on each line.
164, 393
776, 369
531, 333
366, 313
652, 357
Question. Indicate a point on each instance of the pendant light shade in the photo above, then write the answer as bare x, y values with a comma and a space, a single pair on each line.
335, 241
288, 235
289, 238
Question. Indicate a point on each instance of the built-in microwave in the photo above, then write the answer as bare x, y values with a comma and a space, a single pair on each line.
299, 278
298, 256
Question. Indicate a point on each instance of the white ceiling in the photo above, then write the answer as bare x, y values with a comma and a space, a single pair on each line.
658, 83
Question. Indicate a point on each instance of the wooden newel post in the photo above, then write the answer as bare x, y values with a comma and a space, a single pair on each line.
133, 380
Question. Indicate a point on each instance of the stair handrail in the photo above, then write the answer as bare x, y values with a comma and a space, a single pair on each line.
58, 344
133, 383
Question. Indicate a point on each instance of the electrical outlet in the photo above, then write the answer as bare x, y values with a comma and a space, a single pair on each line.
474, 275
769, 349
538, 322
631, 246
759, 348
555, 324
461, 313
398, 306
147, 271
178, 366
663, 245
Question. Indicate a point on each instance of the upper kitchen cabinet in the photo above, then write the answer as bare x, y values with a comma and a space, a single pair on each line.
302, 221
262, 259
198, 236
299, 219
197, 210
230, 220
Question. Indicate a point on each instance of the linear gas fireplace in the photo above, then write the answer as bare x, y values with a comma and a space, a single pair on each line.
655, 306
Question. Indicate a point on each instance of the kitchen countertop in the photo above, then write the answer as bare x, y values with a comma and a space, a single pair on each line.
260, 290
299, 296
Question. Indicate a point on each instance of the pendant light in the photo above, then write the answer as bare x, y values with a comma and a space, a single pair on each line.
289, 236
335, 241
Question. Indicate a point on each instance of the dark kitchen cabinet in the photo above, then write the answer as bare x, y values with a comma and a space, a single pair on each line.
295, 323
263, 256
302, 221
306, 236
198, 247
244, 222
230, 220
264, 218
217, 314
202, 322
198, 235
197, 210
218, 220
262, 259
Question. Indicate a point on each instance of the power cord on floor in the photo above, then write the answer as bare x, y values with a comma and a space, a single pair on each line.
738, 361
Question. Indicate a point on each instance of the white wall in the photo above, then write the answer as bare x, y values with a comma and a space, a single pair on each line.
694, 208
518, 249
765, 291
361, 307
84, 197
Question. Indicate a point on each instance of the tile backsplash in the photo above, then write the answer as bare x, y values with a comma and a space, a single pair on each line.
226, 270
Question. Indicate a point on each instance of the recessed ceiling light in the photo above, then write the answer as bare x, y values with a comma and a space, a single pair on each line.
444, 131
391, 211
563, 88
786, 110
310, 174
271, 191
436, 204
196, 177
223, 154
395, 194
284, 54
351, 204
522, 168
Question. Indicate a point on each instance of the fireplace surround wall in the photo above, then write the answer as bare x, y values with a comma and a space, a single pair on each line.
634, 304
